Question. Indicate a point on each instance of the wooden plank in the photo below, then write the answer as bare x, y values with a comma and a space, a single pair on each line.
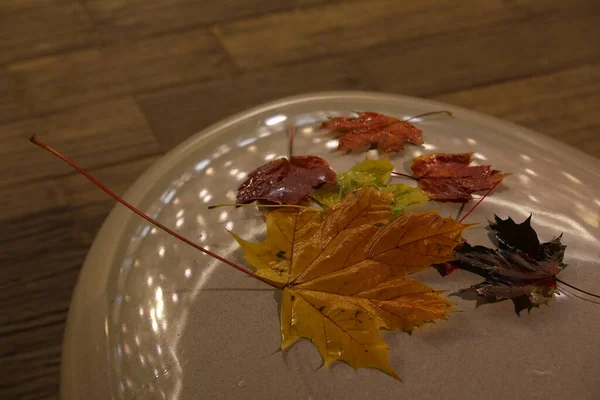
33, 28
426, 67
12, 106
102, 134
35, 365
563, 104
170, 59
353, 26
80, 192
76, 78
47, 251
71, 191
69, 79
134, 18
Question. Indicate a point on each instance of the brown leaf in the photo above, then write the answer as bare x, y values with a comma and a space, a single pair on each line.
373, 130
449, 177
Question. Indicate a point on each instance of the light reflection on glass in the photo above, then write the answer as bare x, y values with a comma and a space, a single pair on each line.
153, 231
160, 303
234, 171
479, 156
471, 141
223, 216
201, 165
417, 153
145, 231
241, 176
276, 119
150, 280
207, 198
230, 195
188, 272
229, 225
246, 142
179, 222
227, 164
373, 153
175, 297
332, 144
269, 157
161, 251
428, 146
252, 148
534, 199
210, 171
571, 177
168, 196
530, 171
525, 157
524, 179
317, 140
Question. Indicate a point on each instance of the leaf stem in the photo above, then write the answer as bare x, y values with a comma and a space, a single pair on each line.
404, 175
46, 147
292, 135
479, 202
576, 288
257, 205
427, 114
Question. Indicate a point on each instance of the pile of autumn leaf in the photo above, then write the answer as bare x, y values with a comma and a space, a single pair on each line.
344, 268
344, 251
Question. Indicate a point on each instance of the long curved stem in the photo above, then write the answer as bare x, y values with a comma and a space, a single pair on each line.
576, 288
427, 114
46, 147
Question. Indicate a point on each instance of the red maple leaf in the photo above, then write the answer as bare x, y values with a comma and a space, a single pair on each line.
449, 177
285, 182
373, 130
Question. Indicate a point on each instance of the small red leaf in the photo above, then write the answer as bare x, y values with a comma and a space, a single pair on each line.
373, 130
449, 177
283, 182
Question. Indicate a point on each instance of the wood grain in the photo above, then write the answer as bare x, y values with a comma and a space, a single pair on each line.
354, 26
560, 104
12, 106
170, 59
428, 67
68, 80
101, 134
93, 74
146, 17
33, 28
116, 83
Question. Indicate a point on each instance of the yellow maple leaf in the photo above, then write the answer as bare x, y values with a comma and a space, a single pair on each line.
343, 272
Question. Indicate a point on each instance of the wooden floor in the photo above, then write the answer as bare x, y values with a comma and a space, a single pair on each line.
116, 83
